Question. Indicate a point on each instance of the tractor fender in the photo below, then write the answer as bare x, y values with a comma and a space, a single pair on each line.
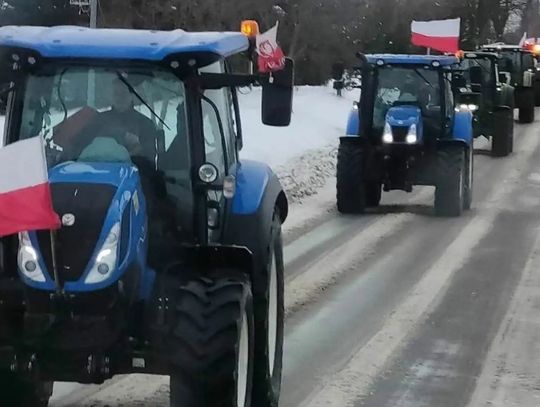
462, 129
249, 222
353, 123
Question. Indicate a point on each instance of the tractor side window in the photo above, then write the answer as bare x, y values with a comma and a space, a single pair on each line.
223, 100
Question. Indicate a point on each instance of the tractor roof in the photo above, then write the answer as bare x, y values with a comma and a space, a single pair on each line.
81, 42
503, 47
480, 54
396, 59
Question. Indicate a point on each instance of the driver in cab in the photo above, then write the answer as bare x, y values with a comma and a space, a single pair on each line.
120, 126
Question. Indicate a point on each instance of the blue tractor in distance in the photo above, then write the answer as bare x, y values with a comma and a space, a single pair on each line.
169, 259
405, 131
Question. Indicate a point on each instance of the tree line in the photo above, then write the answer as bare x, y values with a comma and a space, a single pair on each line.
316, 33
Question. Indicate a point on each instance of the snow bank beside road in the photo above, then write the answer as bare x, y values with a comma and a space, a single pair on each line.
303, 154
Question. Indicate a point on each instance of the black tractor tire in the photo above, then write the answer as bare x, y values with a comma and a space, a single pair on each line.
18, 392
537, 93
527, 110
450, 188
351, 188
502, 143
469, 183
268, 299
212, 343
373, 194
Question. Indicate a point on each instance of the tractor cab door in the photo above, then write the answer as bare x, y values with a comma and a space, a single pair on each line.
221, 141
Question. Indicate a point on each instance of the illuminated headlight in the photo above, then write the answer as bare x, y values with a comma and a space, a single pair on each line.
412, 136
435, 64
387, 134
105, 262
471, 107
27, 259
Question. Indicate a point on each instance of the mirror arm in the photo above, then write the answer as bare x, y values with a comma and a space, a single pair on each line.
226, 80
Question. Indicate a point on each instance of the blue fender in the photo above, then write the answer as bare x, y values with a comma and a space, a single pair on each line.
258, 194
353, 123
463, 127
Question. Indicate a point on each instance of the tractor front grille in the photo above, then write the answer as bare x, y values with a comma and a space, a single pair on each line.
400, 133
75, 244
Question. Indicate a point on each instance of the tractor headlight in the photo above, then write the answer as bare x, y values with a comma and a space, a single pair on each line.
106, 258
27, 259
471, 107
387, 134
412, 136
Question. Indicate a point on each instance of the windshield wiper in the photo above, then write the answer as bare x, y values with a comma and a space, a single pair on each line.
423, 78
134, 91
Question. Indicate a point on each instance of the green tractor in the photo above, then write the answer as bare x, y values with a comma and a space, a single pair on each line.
494, 111
517, 68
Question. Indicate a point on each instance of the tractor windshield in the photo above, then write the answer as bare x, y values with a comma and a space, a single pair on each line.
487, 66
133, 116
400, 85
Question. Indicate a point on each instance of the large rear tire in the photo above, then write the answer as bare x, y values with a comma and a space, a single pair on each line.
450, 188
537, 92
212, 343
17, 392
351, 188
269, 322
502, 142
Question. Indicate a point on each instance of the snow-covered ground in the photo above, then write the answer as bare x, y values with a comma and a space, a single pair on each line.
319, 118
303, 154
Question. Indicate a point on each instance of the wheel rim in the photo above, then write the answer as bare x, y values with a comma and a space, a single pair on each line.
243, 363
272, 316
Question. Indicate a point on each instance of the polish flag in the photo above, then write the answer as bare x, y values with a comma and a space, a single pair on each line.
271, 57
441, 35
25, 196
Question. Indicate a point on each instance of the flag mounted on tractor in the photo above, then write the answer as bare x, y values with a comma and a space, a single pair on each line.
440, 35
271, 57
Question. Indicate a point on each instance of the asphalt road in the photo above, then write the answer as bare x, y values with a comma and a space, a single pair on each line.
400, 308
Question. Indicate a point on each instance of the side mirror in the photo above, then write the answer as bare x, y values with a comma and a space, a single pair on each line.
277, 96
505, 77
338, 69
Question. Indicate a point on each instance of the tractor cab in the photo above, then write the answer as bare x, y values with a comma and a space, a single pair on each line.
407, 99
162, 221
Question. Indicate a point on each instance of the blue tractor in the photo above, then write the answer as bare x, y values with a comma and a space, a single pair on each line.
169, 259
405, 131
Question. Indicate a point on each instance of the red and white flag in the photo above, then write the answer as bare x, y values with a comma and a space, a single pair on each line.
25, 196
271, 57
441, 35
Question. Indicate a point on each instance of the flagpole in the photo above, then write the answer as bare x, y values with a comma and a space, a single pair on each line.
55, 263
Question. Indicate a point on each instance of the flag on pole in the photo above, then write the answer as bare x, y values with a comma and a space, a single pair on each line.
25, 196
441, 35
271, 57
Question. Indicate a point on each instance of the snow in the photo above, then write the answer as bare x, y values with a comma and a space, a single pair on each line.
319, 118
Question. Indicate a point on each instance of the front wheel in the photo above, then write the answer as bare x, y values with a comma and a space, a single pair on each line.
502, 143
526, 111
212, 343
450, 188
351, 186
269, 322
469, 170
18, 392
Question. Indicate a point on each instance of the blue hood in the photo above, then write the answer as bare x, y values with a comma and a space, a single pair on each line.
404, 116
93, 173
